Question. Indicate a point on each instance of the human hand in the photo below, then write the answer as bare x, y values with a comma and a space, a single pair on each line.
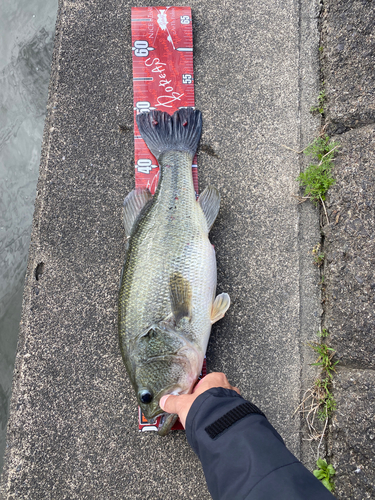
182, 404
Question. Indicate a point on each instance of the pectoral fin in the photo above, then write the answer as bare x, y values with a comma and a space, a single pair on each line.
209, 201
220, 307
133, 205
180, 294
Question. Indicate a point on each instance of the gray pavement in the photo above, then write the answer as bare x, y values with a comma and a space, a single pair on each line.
72, 431
348, 63
349, 241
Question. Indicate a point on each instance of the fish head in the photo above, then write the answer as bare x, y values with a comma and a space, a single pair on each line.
167, 364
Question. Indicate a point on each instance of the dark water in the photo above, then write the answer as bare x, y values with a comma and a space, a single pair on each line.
26, 43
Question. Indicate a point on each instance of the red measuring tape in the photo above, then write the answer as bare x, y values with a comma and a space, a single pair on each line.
163, 79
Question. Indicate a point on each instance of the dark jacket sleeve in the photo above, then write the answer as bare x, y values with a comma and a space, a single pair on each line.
242, 455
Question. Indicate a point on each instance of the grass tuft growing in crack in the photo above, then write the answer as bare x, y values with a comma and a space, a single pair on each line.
317, 178
327, 403
325, 358
323, 333
321, 102
318, 255
318, 403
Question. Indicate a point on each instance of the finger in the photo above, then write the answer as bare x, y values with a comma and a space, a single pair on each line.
168, 403
215, 379
198, 384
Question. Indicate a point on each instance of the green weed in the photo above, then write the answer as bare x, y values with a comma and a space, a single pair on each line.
317, 178
321, 102
318, 401
318, 255
324, 332
325, 358
325, 474
327, 403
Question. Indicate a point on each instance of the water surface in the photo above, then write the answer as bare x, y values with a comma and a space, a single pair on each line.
26, 42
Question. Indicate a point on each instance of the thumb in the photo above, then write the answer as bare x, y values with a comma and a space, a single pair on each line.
168, 403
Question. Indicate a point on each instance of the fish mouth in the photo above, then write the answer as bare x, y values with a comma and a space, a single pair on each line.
193, 360
163, 421
167, 420
166, 423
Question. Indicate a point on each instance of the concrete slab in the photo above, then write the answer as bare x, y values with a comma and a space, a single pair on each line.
351, 446
350, 246
72, 431
348, 60
348, 63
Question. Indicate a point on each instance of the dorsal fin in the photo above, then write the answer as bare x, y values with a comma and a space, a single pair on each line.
133, 205
209, 201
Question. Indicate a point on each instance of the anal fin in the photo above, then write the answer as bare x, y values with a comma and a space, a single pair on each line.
180, 295
209, 201
133, 205
219, 307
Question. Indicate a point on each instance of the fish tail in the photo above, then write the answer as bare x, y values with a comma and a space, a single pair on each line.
163, 132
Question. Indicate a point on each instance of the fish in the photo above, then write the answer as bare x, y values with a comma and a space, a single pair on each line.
167, 298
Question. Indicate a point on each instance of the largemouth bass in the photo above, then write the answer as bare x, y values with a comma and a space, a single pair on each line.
167, 298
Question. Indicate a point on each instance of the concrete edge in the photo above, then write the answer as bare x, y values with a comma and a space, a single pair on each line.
310, 292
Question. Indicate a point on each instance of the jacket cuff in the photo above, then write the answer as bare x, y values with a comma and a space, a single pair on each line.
236, 408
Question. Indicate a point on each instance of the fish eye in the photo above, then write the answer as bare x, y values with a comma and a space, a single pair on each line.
145, 396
